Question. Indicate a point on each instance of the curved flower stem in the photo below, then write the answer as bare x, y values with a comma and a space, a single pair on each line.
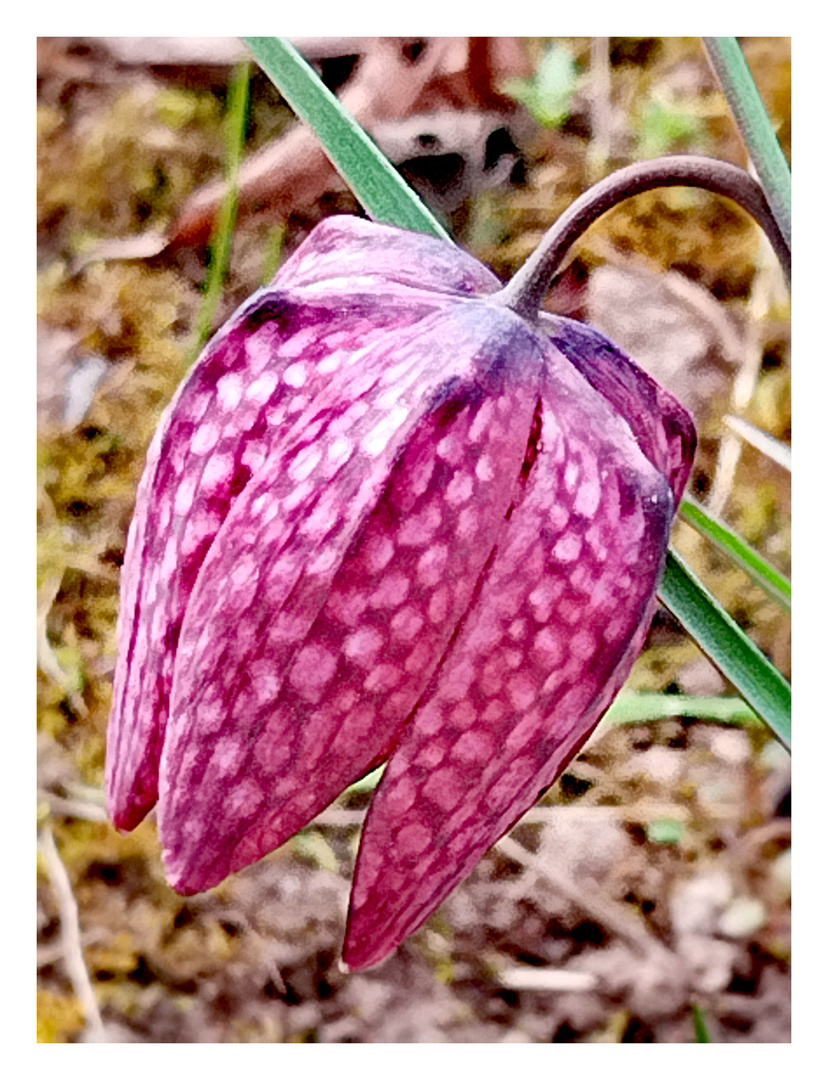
526, 290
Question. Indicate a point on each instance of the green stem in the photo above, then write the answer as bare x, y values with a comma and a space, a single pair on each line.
755, 125
221, 243
642, 707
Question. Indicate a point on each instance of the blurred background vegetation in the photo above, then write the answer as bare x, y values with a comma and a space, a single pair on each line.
686, 282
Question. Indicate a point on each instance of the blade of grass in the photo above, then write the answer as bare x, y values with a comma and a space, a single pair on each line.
372, 178
700, 1024
388, 198
637, 707
762, 686
776, 585
754, 124
641, 707
367, 782
273, 252
766, 444
221, 243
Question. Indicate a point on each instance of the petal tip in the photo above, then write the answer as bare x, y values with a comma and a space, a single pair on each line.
362, 950
184, 882
125, 811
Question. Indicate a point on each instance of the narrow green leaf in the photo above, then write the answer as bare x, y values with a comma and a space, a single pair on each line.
665, 831
637, 707
755, 125
371, 177
776, 585
273, 252
760, 440
641, 707
221, 242
761, 685
700, 1024
367, 782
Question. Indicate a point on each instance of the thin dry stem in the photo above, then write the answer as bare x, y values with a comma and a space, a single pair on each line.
72, 952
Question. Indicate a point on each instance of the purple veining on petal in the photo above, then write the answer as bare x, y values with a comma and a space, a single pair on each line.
381, 558
663, 427
351, 248
571, 583
384, 517
255, 382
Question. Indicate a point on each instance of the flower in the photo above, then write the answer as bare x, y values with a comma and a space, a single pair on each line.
385, 517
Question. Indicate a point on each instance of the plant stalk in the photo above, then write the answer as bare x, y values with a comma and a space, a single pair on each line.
526, 290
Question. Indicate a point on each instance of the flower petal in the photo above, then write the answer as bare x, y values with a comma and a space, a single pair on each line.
662, 426
266, 364
335, 585
554, 632
352, 248
251, 383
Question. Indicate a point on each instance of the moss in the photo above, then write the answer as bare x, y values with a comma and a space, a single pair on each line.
60, 1017
123, 168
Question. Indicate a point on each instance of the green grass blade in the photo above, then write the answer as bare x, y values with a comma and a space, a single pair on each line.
221, 242
776, 585
755, 125
637, 707
371, 177
766, 444
762, 686
700, 1024
273, 252
367, 782
643, 707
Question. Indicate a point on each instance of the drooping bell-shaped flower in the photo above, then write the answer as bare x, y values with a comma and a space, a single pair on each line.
385, 517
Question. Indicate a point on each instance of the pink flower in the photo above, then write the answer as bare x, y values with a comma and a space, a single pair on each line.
384, 518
